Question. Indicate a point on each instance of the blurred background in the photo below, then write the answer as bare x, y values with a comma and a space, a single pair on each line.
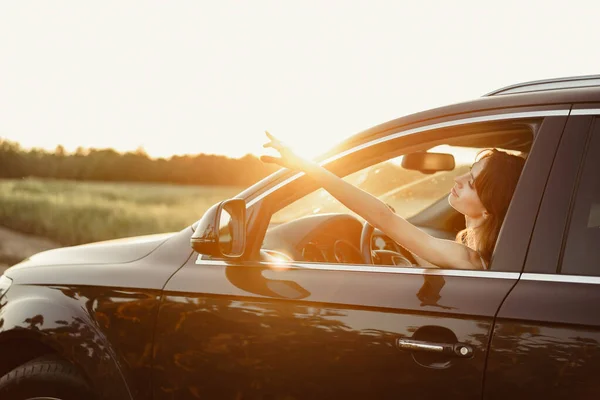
128, 118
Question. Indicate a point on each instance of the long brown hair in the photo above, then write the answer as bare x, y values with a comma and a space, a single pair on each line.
495, 186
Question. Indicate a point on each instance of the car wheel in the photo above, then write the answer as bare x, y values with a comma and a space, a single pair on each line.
47, 377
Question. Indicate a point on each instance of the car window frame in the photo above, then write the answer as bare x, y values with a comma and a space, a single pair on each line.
264, 202
580, 190
549, 235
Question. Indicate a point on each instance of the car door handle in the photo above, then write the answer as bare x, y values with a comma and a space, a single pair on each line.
458, 349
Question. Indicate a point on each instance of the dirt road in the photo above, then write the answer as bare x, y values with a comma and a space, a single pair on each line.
15, 246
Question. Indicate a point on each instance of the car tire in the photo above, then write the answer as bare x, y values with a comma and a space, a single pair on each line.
45, 377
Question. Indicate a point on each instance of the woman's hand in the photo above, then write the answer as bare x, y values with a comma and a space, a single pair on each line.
287, 160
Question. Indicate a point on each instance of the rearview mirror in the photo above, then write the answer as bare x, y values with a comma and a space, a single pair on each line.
221, 232
428, 163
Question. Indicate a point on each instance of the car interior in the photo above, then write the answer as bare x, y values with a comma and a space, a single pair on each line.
310, 226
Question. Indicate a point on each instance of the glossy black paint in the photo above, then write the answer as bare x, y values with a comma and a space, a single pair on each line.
263, 331
107, 333
513, 242
117, 251
208, 234
546, 243
100, 316
162, 256
546, 343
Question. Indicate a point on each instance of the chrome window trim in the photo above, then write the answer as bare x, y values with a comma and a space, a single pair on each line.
589, 111
592, 280
273, 189
371, 268
440, 125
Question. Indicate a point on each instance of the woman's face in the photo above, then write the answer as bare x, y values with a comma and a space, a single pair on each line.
463, 197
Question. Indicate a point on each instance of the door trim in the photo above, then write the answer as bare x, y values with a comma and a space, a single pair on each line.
366, 268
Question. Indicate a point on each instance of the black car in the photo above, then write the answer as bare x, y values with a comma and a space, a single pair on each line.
281, 293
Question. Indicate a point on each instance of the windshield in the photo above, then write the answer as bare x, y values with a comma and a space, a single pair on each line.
407, 192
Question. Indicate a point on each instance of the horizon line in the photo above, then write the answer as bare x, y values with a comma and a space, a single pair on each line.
140, 150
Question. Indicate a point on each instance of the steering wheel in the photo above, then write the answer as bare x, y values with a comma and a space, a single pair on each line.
366, 240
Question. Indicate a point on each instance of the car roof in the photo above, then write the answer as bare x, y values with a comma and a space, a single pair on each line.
531, 99
482, 104
549, 84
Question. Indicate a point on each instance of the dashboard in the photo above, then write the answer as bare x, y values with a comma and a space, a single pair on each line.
325, 238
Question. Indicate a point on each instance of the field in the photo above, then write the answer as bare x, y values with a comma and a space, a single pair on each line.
76, 212
72, 212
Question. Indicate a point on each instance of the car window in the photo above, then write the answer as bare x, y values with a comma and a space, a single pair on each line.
407, 192
582, 250
311, 226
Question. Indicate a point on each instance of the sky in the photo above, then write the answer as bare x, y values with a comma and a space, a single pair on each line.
190, 77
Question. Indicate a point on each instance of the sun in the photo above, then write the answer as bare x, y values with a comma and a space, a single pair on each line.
305, 146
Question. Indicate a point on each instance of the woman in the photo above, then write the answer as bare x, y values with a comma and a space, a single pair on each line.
482, 196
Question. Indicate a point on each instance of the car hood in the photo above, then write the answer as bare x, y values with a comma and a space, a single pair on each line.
107, 252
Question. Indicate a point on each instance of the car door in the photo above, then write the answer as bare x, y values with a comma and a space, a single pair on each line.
546, 342
294, 330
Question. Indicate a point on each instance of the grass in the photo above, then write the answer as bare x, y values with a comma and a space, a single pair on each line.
72, 212
76, 212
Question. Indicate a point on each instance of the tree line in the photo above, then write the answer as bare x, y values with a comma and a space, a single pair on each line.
110, 165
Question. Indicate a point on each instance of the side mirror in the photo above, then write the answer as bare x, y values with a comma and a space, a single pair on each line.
428, 163
221, 231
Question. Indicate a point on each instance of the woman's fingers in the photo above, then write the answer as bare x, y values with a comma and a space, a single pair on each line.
287, 160
271, 137
274, 142
270, 159
277, 146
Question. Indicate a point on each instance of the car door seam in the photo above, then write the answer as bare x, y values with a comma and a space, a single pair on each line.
495, 318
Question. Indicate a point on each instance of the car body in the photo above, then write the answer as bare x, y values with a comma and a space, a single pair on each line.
293, 313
